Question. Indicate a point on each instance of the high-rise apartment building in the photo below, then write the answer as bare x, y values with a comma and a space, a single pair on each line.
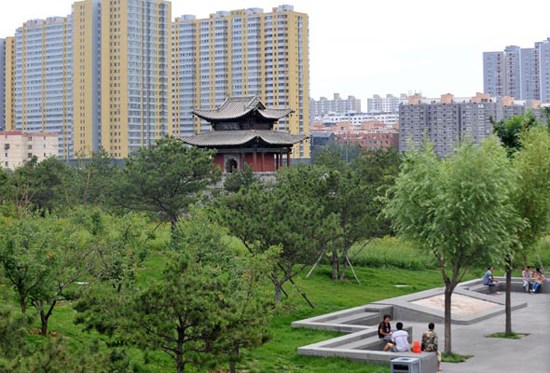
449, 120
86, 76
2, 84
494, 74
242, 52
337, 105
135, 74
9, 86
43, 96
543, 49
522, 73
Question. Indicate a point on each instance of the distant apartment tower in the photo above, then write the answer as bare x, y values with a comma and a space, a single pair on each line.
449, 120
543, 49
42, 85
337, 105
2, 84
135, 74
238, 53
522, 73
388, 104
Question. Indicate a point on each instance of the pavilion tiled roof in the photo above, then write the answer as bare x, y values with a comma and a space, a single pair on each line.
238, 106
231, 138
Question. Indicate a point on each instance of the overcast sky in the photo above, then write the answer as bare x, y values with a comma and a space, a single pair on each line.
365, 47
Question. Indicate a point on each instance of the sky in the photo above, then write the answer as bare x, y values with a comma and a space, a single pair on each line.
361, 47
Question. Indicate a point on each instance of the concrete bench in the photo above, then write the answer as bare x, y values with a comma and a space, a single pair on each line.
516, 286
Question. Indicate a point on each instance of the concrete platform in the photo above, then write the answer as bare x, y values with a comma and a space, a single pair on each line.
531, 315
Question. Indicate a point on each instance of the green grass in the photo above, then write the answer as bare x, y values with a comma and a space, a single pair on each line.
391, 252
280, 353
380, 266
455, 358
507, 335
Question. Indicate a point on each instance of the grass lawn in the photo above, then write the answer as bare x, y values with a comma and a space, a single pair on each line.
280, 353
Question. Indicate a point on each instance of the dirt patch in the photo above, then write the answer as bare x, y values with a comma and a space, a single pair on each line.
461, 305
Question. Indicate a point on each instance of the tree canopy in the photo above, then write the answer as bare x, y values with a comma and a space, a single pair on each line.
459, 208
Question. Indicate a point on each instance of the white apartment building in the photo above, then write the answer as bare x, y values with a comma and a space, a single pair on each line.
18, 147
387, 118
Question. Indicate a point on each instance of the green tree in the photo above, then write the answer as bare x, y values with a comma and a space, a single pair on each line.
120, 247
458, 208
531, 200
42, 185
119, 243
352, 192
196, 309
241, 179
286, 215
165, 179
41, 257
509, 131
336, 153
96, 177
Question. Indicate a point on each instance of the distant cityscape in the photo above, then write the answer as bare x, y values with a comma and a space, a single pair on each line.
118, 75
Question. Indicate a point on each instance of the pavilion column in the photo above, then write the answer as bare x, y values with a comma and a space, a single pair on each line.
255, 160
263, 162
276, 161
288, 159
281, 158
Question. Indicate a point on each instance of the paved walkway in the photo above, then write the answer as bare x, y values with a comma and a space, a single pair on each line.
491, 355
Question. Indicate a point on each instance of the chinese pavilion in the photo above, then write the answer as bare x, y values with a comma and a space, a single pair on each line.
242, 133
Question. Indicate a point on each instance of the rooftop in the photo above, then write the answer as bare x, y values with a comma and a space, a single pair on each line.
241, 137
238, 106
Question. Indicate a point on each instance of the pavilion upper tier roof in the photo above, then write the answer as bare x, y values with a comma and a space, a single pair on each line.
239, 106
232, 138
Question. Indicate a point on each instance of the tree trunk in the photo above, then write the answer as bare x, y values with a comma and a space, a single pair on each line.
448, 295
180, 363
234, 357
508, 300
335, 264
173, 227
43, 323
45, 315
344, 266
277, 292
23, 303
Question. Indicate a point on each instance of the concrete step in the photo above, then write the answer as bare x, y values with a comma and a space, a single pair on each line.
371, 343
361, 318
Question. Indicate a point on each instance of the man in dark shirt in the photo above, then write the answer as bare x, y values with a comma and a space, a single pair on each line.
384, 329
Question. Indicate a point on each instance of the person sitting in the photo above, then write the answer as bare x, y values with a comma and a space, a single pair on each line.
489, 280
430, 343
384, 329
399, 340
526, 276
538, 279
